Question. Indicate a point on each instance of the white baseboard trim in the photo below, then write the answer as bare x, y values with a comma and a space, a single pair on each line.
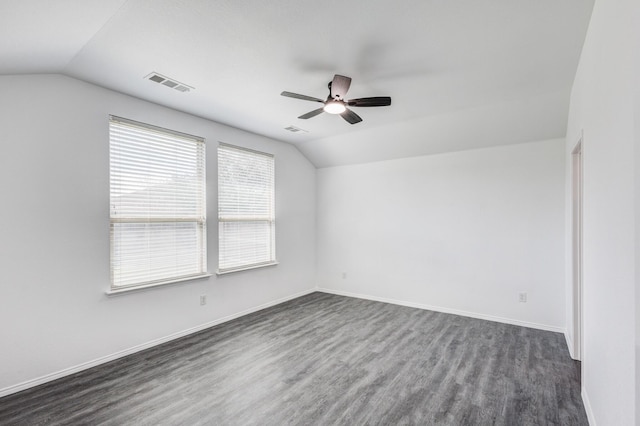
567, 338
102, 360
587, 407
445, 310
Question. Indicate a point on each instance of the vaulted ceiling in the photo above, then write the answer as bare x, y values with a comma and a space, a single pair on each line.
462, 74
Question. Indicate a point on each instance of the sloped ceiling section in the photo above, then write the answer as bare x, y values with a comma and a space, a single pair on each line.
461, 74
43, 36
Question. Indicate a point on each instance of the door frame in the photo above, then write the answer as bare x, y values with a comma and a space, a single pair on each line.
577, 199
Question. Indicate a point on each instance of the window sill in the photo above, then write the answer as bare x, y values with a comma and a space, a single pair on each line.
245, 268
123, 290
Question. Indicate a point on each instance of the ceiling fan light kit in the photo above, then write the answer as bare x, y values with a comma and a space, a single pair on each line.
335, 103
334, 107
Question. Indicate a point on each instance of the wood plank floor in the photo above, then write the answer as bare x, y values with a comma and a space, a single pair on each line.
324, 360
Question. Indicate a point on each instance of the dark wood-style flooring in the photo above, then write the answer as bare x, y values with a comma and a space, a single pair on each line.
324, 359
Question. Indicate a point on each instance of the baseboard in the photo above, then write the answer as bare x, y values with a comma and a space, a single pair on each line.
567, 338
102, 360
587, 407
446, 310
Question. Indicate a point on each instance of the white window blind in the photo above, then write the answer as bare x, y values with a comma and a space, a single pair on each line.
158, 208
246, 211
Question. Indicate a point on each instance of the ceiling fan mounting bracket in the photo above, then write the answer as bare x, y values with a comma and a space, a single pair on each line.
335, 96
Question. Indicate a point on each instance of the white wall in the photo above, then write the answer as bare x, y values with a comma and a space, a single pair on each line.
602, 106
461, 232
54, 247
636, 105
637, 221
637, 225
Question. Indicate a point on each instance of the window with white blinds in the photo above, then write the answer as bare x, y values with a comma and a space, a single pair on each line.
246, 211
158, 207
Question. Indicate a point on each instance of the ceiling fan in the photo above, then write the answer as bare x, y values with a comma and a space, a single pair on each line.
335, 103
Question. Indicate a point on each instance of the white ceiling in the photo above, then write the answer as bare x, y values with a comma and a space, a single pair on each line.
462, 74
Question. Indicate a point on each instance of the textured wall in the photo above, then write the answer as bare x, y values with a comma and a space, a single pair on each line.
54, 251
602, 110
464, 232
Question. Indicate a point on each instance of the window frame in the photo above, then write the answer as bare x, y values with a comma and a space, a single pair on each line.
271, 219
200, 219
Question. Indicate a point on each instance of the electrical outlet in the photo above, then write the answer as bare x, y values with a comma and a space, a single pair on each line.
203, 299
523, 298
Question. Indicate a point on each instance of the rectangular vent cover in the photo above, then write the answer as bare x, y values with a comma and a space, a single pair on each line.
294, 129
169, 82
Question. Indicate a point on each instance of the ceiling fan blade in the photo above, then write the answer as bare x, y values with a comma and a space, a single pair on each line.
312, 113
303, 97
370, 102
351, 116
340, 86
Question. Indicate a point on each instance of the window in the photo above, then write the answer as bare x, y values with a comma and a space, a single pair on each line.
246, 213
158, 209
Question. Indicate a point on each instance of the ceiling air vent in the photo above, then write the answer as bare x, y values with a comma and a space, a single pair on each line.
169, 82
294, 129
